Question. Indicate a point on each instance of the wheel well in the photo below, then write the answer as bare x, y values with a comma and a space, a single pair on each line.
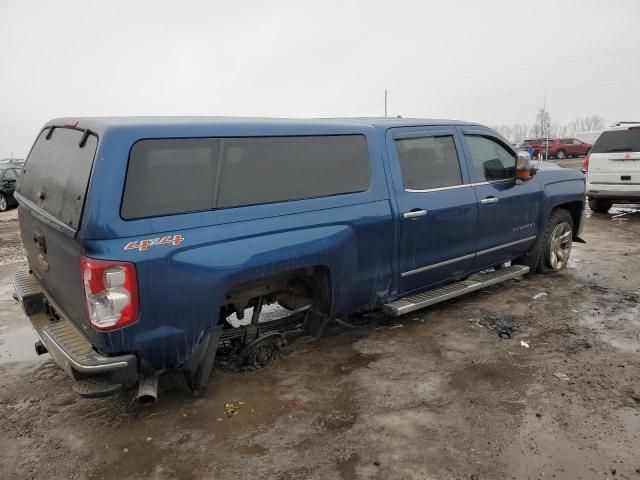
575, 209
293, 289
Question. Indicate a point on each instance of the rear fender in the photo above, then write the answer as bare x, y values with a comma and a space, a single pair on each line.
181, 294
230, 264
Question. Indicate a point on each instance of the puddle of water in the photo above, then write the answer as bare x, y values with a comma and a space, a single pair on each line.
6, 292
617, 329
17, 346
630, 418
619, 212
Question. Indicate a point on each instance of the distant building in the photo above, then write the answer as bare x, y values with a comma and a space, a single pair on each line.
588, 137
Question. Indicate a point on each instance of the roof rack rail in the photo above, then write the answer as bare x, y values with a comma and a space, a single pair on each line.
617, 124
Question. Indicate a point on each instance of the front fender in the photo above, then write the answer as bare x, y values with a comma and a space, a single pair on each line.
566, 190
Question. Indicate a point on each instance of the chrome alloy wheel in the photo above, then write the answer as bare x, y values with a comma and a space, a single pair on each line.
560, 245
3, 203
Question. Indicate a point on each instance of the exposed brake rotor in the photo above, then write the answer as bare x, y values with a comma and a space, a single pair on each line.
262, 350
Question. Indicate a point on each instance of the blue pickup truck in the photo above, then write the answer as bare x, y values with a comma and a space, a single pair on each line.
149, 239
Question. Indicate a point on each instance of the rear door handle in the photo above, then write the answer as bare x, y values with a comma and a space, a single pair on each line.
489, 200
415, 214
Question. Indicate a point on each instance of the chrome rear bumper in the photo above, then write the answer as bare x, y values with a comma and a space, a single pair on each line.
66, 344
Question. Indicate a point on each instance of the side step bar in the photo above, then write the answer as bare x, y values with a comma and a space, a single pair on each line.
452, 290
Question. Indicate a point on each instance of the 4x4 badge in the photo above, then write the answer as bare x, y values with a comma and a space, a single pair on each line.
143, 245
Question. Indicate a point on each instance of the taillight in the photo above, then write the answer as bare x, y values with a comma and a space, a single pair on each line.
111, 292
585, 162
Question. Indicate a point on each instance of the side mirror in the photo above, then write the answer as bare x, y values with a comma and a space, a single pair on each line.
524, 171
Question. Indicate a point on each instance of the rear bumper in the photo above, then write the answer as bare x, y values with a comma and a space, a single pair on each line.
614, 191
66, 344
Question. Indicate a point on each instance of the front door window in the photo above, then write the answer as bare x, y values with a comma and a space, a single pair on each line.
491, 160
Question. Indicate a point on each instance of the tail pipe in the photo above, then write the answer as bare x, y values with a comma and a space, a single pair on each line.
148, 389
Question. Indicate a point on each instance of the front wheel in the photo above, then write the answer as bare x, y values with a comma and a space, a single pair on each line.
600, 205
552, 249
3, 202
561, 155
557, 242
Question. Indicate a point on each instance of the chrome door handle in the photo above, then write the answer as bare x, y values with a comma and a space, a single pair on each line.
415, 214
489, 200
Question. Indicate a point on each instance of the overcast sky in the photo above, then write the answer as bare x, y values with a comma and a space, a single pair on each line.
490, 61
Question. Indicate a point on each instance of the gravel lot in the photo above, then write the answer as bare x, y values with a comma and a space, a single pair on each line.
435, 395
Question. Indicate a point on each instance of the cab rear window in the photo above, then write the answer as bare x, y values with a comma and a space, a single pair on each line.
56, 173
170, 176
618, 141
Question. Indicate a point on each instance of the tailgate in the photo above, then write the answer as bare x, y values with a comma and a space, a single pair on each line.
51, 193
54, 258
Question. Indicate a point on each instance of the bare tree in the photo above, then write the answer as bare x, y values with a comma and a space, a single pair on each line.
520, 132
573, 127
594, 122
585, 124
542, 120
505, 130
557, 130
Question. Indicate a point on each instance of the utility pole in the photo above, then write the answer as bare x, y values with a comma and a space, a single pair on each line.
385, 103
545, 128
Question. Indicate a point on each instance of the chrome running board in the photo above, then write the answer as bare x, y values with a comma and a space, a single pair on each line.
452, 290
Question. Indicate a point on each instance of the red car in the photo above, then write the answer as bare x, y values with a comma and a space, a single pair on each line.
563, 148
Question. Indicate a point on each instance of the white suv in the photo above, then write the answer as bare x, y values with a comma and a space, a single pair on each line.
613, 167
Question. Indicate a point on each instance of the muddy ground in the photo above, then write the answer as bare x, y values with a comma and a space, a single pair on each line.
435, 395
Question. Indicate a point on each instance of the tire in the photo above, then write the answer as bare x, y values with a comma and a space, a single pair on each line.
557, 242
560, 155
540, 259
3, 203
600, 205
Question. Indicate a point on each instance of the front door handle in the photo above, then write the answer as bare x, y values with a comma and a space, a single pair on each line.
489, 200
413, 214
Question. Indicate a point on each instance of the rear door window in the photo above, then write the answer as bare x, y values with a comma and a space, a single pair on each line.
428, 162
56, 173
618, 141
491, 160
169, 176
